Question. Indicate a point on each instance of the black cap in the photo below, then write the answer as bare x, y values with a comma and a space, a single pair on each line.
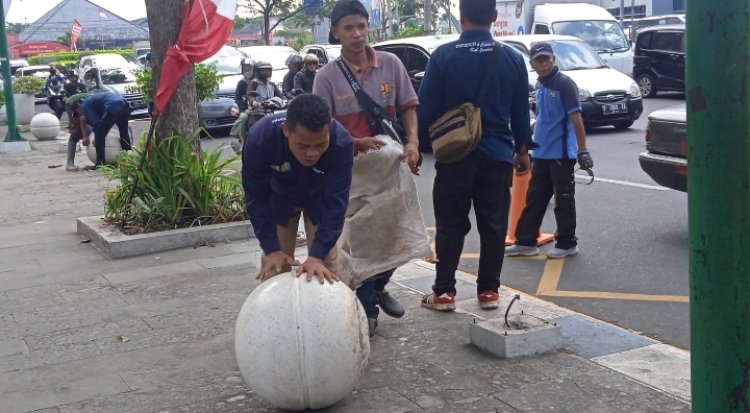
342, 9
540, 49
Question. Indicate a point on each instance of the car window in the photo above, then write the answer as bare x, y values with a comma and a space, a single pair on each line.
575, 55
668, 41
322, 58
602, 35
644, 40
399, 51
541, 29
416, 60
110, 61
86, 62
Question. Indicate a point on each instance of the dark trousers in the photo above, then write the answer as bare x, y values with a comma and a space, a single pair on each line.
366, 292
486, 184
119, 118
550, 177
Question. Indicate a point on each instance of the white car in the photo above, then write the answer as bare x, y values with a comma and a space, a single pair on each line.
607, 96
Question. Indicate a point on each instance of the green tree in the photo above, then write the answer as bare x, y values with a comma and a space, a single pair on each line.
65, 39
282, 10
15, 28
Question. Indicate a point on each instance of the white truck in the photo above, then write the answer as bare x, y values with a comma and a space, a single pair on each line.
584, 19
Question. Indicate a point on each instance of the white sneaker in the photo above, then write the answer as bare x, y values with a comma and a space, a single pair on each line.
561, 253
516, 250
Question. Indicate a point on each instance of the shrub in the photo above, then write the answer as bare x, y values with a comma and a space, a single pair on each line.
52, 58
207, 82
28, 85
177, 188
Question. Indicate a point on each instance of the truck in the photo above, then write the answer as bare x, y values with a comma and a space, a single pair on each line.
584, 19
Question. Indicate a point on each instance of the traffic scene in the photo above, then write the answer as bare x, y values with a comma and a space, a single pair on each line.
356, 205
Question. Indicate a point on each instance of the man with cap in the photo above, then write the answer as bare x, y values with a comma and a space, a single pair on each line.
102, 111
454, 75
561, 137
77, 128
382, 77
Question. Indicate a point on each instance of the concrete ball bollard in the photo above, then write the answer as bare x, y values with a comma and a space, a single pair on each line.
45, 126
301, 344
111, 146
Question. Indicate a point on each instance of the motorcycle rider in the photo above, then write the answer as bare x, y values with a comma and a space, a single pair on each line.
305, 78
73, 86
294, 63
53, 88
240, 93
263, 85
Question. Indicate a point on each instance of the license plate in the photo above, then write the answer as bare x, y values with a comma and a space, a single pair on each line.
614, 108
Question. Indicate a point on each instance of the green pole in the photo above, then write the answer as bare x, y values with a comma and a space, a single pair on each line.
10, 108
718, 114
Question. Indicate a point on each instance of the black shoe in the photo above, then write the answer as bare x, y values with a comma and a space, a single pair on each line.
389, 305
372, 324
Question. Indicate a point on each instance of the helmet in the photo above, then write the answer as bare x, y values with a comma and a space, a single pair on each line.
72, 72
294, 59
52, 70
310, 58
246, 61
263, 64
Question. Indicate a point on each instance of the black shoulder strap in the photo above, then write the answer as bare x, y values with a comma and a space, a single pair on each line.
488, 75
373, 112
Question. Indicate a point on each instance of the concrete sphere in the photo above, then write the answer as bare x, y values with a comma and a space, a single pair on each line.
111, 147
301, 344
45, 126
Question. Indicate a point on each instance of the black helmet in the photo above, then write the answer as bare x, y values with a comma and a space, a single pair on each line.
72, 72
263, 64
52, 70
294, 59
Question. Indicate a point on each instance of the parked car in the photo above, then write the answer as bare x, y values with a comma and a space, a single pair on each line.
41, 71
636, 25
325, 52
276, 55
116, 80
659, 61
665, 158
607, 96
216, 112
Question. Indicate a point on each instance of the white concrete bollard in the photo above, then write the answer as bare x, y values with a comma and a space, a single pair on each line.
45, 126
111, 146
301, 344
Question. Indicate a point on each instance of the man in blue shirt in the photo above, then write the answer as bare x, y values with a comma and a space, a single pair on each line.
561, 137
454, 75
300, 161
102, 111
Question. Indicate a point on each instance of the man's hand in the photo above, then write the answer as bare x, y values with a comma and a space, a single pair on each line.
413, 157
314, 267
275, 262
521, 163
366, 144
584, 160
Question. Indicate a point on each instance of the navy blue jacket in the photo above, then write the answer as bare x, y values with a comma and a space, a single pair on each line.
454, 75
97, 106
275, 183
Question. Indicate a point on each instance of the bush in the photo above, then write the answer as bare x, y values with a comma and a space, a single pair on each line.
207, 82
28, 85
75, 57
177, 188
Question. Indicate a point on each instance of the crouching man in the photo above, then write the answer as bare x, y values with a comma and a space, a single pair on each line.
299, 161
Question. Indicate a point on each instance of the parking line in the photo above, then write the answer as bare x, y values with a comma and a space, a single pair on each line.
618, 296
550, 276
633, 184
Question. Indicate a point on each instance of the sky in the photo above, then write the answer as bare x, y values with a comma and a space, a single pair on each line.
27, 11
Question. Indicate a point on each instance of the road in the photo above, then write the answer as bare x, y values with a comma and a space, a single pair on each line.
632, 269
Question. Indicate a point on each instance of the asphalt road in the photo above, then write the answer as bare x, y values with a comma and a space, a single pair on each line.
632, 269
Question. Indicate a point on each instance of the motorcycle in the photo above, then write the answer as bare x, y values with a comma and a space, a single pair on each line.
56, 98
244, 122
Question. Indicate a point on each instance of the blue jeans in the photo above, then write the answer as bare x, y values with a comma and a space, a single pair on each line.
366, 292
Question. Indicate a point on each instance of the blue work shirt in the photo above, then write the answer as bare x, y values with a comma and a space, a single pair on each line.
96, 107
275, 183
556, 99
454, 75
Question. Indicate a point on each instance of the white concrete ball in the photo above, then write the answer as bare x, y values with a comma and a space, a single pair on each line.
45, 126
301, 344
111, 147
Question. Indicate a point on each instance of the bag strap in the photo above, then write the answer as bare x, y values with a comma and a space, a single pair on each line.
373, 112
488, 75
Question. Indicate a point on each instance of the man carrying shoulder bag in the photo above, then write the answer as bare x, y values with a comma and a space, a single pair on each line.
482, 177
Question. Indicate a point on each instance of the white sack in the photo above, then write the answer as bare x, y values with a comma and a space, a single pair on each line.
384, 228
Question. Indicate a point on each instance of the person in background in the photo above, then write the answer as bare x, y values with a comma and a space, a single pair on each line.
247, 66
102, 111
294, 64
305, 78
77, 128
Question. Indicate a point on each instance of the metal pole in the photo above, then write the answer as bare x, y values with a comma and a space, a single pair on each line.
622, 11
427, 17
10, 107
718, 114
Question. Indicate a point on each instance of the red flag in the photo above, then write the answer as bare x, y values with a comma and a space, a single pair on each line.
205, 28
74, 33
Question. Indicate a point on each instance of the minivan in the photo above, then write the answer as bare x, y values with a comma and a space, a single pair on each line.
659, 60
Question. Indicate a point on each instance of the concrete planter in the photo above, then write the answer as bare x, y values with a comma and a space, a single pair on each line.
24, 108
114, 244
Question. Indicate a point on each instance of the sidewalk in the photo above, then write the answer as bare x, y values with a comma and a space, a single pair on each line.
80, 333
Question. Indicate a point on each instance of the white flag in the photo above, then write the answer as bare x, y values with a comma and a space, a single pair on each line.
6, 7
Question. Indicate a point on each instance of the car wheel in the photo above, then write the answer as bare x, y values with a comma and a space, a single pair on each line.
623, 125
647, 84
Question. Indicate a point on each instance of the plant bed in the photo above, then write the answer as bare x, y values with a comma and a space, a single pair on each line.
114, 244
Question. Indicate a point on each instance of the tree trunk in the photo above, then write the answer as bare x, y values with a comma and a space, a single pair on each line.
181, 114
267, 26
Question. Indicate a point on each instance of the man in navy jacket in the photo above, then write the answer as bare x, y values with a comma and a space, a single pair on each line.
300, 161
102, 111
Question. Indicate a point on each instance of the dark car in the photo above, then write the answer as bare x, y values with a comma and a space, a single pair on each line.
659, 59
665, 159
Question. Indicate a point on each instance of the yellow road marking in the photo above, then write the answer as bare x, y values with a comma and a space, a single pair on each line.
551, 276
618, 296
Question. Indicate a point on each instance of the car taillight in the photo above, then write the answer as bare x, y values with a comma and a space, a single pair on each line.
648, 134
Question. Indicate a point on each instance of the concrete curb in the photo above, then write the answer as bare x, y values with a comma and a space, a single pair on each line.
114, 244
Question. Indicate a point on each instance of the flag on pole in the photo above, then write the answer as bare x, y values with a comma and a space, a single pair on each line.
75, 32
102, 14
206, 26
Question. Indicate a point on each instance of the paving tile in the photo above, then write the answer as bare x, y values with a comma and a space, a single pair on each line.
589, 338
11, 347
